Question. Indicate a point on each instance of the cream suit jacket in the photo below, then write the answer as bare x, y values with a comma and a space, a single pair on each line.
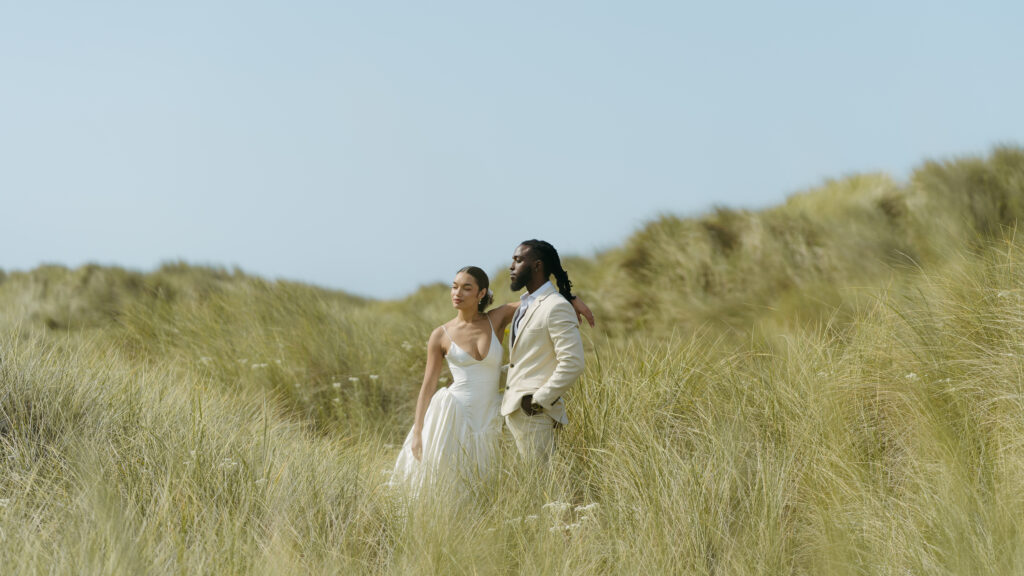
546, 356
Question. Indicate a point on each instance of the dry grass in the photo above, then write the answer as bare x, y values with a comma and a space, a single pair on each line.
807, 408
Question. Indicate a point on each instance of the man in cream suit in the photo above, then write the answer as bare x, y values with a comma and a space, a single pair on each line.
546, 351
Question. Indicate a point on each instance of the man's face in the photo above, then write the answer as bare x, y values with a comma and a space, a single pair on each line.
522, 269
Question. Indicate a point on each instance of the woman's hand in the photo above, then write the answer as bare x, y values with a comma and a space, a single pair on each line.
582, 311
417, 446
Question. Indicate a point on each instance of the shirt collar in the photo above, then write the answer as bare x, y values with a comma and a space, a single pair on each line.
528, 298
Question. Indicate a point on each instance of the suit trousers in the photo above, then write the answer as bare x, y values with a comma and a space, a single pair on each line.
535, 435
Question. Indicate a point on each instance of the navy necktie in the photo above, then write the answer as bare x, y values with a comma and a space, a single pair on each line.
515, 323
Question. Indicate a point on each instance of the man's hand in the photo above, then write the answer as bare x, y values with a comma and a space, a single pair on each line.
582, 311
530, 408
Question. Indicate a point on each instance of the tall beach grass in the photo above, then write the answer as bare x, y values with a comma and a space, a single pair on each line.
855, 409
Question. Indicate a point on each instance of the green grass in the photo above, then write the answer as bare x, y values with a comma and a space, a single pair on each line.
832, 386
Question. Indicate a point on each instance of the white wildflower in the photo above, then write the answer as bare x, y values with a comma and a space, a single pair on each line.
5, 502
389, 446
556, 507
243, 360
261, 482
406, 346
374, 377
336, 400
353, 379
592, 507
257, 366
278, 362
443, 379
336, 385
566, 528
531, 519
911, 376
514, 521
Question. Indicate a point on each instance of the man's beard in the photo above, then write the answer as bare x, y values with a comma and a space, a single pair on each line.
521, 280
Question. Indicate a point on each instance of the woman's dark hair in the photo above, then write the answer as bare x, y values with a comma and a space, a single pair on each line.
547, 254
483, 283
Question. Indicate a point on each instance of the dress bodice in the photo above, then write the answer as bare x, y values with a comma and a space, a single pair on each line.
475, 382
464, 367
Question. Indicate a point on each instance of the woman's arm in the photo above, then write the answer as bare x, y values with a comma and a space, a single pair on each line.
501, 317
434, 354
582, 311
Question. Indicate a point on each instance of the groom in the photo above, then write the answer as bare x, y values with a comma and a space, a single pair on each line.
546, 351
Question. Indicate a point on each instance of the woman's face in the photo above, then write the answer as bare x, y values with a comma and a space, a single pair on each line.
466, 294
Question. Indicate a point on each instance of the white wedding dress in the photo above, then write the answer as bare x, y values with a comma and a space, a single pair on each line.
461, 428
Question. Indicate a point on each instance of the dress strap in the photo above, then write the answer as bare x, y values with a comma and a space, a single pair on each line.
447, 334
489, 323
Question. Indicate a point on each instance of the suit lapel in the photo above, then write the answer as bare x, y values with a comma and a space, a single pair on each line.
529, 314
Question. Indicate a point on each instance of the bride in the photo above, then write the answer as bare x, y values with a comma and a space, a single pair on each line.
455, 434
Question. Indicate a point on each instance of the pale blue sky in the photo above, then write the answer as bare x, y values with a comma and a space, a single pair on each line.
377, 146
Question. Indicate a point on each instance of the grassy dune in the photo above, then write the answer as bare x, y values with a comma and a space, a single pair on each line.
831, 386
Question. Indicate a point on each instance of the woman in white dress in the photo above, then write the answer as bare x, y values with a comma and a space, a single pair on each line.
454, 438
